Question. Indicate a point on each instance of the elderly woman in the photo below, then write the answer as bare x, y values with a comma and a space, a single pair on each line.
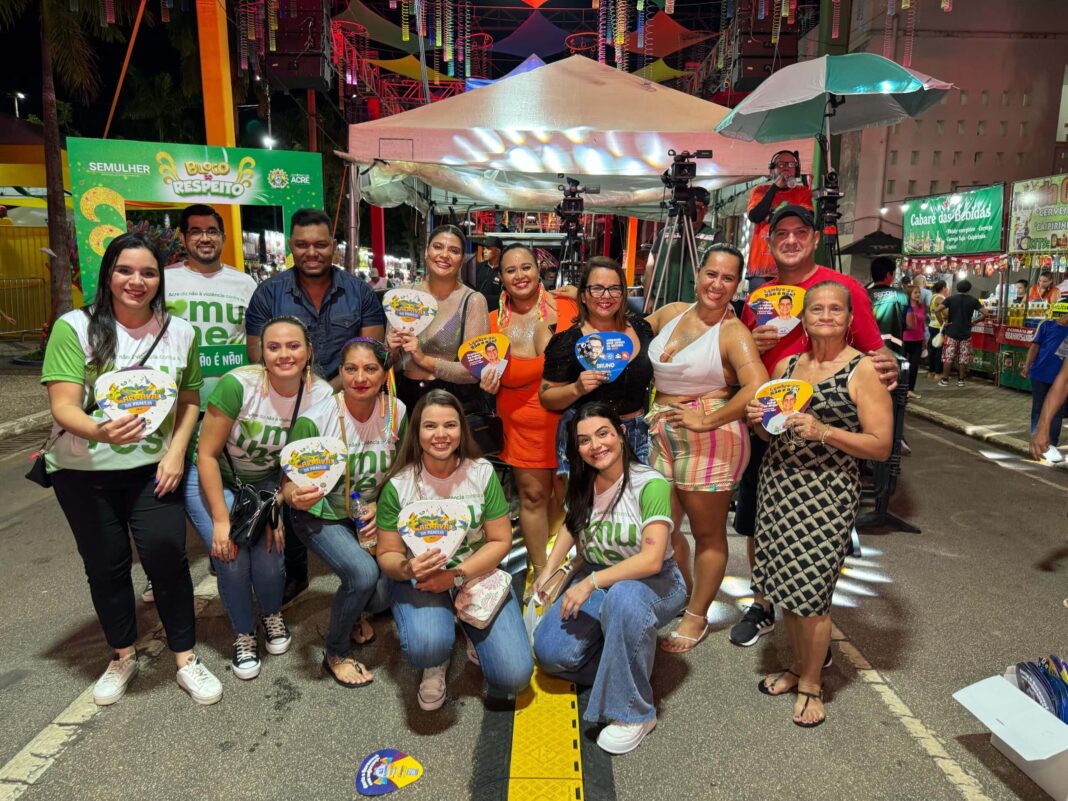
429, 360
809, 489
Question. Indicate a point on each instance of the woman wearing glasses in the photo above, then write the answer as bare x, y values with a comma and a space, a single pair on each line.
566, 384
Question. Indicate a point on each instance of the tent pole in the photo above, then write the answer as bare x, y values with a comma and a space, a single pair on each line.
632, 248
422, 52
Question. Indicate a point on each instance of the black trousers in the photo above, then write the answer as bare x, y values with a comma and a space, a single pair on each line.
914, 353
104, 509
745, 502
934, 355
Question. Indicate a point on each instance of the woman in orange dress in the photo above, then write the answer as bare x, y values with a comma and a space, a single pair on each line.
528, 316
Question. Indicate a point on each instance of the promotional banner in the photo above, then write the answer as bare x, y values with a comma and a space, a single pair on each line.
962, 222
779, 305
106, 173
1039, 219
608, 352
781, 398
482, 354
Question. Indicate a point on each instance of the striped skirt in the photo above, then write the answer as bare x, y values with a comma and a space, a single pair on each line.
699, 461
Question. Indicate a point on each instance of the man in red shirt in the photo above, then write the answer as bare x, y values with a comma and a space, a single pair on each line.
793, 239
784, 189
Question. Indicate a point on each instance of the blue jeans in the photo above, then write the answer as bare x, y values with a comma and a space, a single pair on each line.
426, 626
254, 569
363, 587
1039, 390
637, 431
612, 643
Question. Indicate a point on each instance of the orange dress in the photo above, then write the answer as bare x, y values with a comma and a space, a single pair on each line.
529, 428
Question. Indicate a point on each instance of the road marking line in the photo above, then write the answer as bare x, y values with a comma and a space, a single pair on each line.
546, 759
964, 782
27, 766
1018, 460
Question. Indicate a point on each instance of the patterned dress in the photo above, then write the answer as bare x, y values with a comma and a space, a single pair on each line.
807, 502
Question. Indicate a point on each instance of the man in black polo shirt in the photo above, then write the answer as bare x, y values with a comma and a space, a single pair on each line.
488, 273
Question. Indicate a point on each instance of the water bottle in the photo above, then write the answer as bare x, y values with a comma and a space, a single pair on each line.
358, 508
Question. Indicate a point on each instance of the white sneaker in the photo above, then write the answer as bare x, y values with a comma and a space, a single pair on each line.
246, 662
277, 638
147, 594
110, 687
199, 682
432, 688
622, 738
1053, 455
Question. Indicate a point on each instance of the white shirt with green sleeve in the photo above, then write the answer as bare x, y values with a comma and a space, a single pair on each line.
261, 418
616, 534
214, 304
67, 359
474, 482
372, 448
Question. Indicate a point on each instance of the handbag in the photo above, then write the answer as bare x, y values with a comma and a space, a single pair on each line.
38, 472
253, 510
553, 587
480, 599
939, 338
487, 429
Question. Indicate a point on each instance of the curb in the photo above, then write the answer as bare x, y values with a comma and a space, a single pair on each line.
980, 433
27, 423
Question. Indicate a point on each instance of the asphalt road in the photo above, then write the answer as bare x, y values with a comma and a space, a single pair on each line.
932, 612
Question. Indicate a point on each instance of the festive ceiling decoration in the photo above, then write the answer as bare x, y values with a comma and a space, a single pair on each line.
535, 3
408, 66
536, 35
381, 30
532, 62
666, 36
659, 71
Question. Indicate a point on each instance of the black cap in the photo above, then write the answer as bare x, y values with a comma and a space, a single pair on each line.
791, 210
493, 242
701, 195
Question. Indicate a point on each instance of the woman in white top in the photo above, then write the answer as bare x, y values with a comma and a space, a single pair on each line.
701, 353
112, 480
249, 415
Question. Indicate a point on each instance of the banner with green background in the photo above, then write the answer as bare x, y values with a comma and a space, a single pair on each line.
961, 222
1039, 215
106, 173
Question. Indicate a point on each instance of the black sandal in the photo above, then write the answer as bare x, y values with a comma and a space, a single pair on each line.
763, 687
359, 666
808, 697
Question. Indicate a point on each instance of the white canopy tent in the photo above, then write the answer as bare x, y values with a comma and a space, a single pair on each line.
506, 144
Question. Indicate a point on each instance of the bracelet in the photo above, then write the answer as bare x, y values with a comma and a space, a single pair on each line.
826, 431
593, 579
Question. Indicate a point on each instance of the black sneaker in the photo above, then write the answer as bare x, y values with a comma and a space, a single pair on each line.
246, 660
755, 623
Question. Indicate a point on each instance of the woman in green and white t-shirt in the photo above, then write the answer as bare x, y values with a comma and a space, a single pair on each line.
627, 586
112, 480
248, 416
439, 461
369, 421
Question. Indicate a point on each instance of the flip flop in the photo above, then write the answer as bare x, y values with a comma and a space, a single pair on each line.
359, 666
762, 685
808, 697
691, 642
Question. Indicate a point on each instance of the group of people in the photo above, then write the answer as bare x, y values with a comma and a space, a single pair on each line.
605, 468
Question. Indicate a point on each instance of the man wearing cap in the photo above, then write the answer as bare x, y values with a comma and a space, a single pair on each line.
783, 189
488, 273
669, 288
792, 240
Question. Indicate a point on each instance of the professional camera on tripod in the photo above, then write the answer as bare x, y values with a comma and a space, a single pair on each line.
570, 211
827, 198
677, 178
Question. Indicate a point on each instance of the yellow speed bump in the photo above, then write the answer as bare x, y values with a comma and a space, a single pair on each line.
546, 763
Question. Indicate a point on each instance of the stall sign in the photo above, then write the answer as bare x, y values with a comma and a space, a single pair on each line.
961, 222
1040, 215
1011, 335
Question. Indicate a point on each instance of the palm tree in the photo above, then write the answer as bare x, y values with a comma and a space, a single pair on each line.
66, 55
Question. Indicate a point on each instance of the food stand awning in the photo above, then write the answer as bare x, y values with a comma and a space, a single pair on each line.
506, 144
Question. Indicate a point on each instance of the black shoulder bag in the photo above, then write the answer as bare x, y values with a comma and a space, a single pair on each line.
38, 472
255, 509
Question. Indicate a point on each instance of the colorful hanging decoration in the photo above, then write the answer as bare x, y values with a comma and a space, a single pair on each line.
405, 32
947, 5
620, 38
910, 36
888, 31
165, 10
393, 4
466, 53
437, 23
602, 27
776, 21
836, 18
450, 41
641, 24
109, 11
762, 9
669, 7
791, 17
420, 8
272, 25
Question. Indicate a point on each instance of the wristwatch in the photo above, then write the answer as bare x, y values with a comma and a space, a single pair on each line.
458, 579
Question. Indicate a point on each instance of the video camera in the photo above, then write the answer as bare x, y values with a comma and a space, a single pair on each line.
570, 208
683, 170
827, 197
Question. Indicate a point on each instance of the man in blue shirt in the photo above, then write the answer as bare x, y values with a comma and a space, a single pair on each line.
334, 305
1043, 362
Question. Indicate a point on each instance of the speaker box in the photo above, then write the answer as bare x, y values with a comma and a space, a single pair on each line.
301, 56
760, 46
749, 73
308, 71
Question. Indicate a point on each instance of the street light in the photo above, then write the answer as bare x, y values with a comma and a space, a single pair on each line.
269, 143
17, 96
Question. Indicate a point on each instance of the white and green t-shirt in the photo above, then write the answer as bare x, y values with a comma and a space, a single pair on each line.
473, 482
617, 535
67, 359
261, 421
215, 304
372, 448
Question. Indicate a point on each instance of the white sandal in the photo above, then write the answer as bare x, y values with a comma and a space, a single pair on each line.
692, 642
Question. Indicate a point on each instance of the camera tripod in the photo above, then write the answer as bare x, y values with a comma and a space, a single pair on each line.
572, 257
678, 232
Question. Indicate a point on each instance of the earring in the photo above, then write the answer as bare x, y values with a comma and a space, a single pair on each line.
308, 379
265, 383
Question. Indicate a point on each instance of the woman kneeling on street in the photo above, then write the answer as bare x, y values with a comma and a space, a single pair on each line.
439, 461
602, 630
